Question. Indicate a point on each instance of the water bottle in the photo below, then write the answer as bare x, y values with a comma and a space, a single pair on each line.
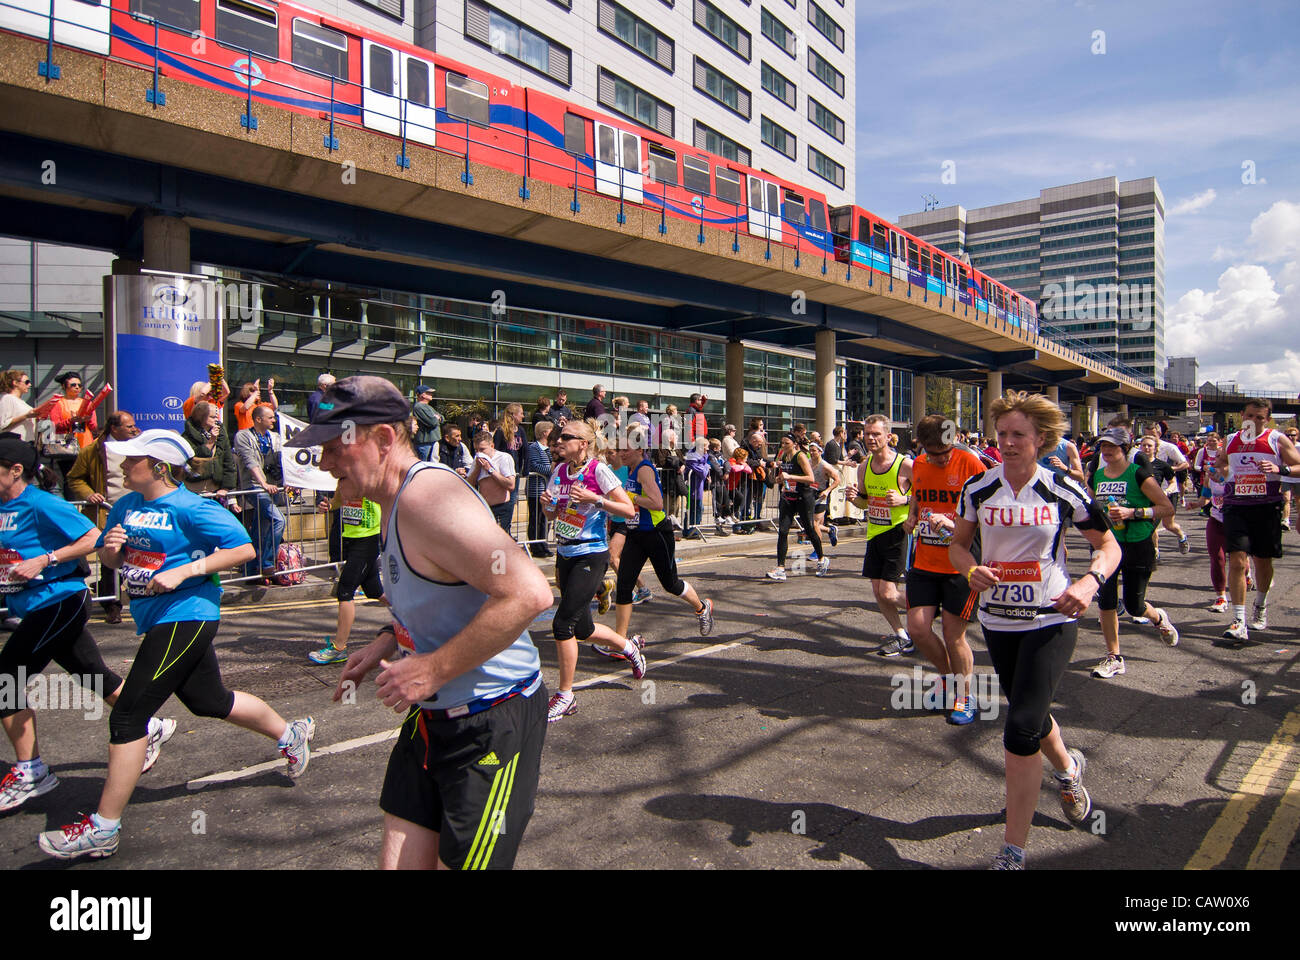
1115, 524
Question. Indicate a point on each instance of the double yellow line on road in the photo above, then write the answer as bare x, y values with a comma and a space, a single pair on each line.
1272, 847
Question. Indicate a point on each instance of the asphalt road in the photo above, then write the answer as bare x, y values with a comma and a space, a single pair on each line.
772, 743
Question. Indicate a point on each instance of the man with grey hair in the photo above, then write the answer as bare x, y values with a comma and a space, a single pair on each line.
596, 405
323, 383
428, 422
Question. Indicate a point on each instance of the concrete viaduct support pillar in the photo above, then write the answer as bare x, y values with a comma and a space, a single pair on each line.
1077, 415
918, 399
1123, 410
736, 386
992, 391
1054, 394
167, 244
825, 380
1093, 417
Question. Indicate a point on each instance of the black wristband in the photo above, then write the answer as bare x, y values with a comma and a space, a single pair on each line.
386, 628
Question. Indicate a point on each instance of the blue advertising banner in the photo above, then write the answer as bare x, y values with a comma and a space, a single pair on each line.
161, 331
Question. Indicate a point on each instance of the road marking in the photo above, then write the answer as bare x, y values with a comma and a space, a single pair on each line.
1281, 830
1218, 842
342, 747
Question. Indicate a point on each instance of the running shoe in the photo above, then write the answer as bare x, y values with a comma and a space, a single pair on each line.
1184, 546
633, 653
15, 790
1111, 665
777, 574
823, 566
642, 595
561, 705
963, 712
1006, 860
834, 537
706, 618
1220, 605
1258, 617
1286, 524
615, 654
1168, 632
298, 752
1236, 635
78, 840
1075, 802
328, 653
1141, 621
160, 731
605, 597
896, 646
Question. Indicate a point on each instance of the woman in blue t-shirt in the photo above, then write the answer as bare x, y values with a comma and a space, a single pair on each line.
42, 538
169, 545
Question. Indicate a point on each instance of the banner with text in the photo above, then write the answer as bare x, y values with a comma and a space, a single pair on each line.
302, 464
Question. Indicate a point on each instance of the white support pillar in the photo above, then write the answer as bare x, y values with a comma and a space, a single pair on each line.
167, 244
736, 386
1093, 417
825, 382
992, 391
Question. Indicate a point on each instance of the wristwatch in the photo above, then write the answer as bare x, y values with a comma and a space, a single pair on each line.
1101, 579
52, 558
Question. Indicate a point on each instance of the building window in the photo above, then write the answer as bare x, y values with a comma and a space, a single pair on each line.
778, 33
825, 167
826, 120
706, 138
827, 27
248, 26
779, 138
635, 33
722, 28
778, 86
391, 7
320, 49
509, 38
722, 88
618, 95
820, 68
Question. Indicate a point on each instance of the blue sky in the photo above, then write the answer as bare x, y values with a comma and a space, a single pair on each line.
1012, 93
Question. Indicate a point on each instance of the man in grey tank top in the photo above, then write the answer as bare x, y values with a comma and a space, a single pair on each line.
457, 660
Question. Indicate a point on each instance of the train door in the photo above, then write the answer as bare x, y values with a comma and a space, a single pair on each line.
898, 254
618, 163
764, 209
77, 23
381, 107
417, 91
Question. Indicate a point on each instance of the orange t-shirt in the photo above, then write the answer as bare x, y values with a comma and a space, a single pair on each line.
244, 415
938, 490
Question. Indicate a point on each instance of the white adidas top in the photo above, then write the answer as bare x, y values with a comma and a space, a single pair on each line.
1023, 538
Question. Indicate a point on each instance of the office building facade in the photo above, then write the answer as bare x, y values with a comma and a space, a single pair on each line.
1091, 254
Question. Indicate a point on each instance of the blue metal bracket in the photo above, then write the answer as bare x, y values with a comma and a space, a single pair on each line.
155, 96
331, 141
403, 161
44, 69
247, 122
47, 68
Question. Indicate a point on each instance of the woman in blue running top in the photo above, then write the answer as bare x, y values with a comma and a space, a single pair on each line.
41, 538
1028, 606
582, 491
169, 545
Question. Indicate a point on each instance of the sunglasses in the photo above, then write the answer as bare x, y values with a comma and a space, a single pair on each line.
570, 436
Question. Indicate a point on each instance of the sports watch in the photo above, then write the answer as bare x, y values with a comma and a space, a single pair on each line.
1100, 578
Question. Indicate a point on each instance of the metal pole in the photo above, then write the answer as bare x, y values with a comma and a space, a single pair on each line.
48, 69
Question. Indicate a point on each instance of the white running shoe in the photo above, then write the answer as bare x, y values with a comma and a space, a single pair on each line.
561, 705
16, 790
823, 566
1259, 617
1237, 635
706, 618
777, 574
1112, 665
78, 840
160, 731
1168, 632
298, 752
1220, 605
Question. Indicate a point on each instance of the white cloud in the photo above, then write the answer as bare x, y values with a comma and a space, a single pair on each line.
1194, 204
1240, 330
1275, 233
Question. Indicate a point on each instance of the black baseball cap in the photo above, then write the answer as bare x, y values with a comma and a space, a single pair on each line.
13, 449
358, 401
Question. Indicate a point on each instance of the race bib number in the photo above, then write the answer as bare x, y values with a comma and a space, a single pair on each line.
1250, 485
1217, 503
1113, 488
8, 582
138, 569
353, 513
878, 511
568, 524
931, 532
1018, 594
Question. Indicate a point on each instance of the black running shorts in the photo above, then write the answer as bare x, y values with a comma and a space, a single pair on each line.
1255, 529
472, 779
360, 569
947, 590
886, 557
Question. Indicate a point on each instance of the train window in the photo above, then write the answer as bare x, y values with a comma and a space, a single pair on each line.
575, 134
605, 146
663, 164
817, 210
864, 230
913, 255
381, 69
467, 99
631, 153
961, 273
417, 81
248, 27
794, 210
695, 174
772, 205
925, 260
880, 237
180, 15
319, 48
728, 185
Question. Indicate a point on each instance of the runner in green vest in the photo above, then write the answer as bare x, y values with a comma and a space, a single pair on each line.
361, 521
1134, 501
883, 482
